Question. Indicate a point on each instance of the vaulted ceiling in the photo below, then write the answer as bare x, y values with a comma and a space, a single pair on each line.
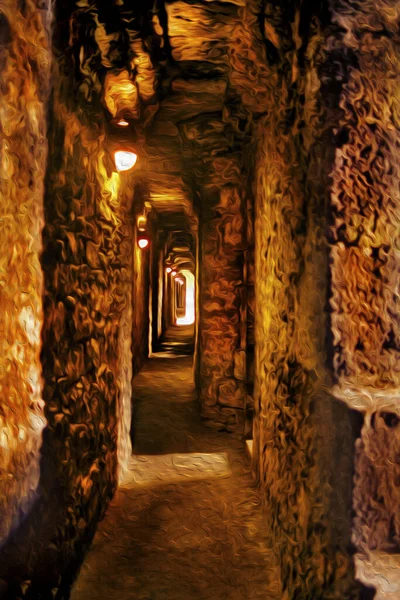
165, 68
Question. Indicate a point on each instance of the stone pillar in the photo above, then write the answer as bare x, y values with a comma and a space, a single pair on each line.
160, 297
25, 58
141, 293
365, 269
87, 267
249, 302
166, 302
85, 356
303, 445
222, 239
301, 438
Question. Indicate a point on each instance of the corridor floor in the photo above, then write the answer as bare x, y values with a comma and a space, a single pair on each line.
186, 522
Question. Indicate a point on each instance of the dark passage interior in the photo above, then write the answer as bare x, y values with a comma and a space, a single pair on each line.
199, 299
178, 339
186, 514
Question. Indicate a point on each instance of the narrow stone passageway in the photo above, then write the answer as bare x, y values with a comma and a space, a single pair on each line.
199, 257
186, 522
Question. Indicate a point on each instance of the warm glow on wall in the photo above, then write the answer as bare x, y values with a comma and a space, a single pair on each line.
124, 160
111, 184
121, 94
142, 222
143, 243
108, 200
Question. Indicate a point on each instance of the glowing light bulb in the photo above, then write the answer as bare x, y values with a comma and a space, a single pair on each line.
143, 243
168, 270
173, 273
122, 123
125, 160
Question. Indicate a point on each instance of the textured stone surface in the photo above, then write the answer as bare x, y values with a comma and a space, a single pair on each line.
331, 108
86, 335
315, 84
140, 303
221, 281
179, 533
302, 436
366, 201
377, 490
24, 89
365, 268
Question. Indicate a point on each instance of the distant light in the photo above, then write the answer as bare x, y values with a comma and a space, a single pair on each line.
174, 273
168, 270
190, 303
122, 123
124, 160
143, 243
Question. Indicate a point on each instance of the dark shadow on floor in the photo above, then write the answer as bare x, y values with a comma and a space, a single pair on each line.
178, 340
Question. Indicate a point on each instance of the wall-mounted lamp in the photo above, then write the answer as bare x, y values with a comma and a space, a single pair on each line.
142, 222
143, 242
122, 123
124, 160
168, 270
174, 273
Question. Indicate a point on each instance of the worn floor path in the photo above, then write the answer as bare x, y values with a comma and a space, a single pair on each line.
186, 523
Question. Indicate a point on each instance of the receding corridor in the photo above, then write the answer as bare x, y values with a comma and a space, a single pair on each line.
197, 538
199, 300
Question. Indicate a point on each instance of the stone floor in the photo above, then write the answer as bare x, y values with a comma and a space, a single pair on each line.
186, 522
178, 340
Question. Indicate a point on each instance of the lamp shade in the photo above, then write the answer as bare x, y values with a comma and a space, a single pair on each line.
143, 242
124, 160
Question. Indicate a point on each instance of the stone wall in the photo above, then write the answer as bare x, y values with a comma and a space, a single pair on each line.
249, 299
318, 89
141, 283
86, 338
295, 431
125, 344
24, 89
221, 287
365, 266
365, 198
303, 436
